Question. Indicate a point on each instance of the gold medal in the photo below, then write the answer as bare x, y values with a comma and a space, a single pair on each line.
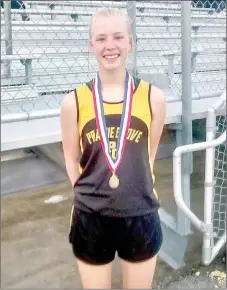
114, 181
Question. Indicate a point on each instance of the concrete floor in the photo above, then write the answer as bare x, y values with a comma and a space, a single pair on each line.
35, 248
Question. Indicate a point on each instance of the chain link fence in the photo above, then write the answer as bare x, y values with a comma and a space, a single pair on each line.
45, 50
215, 176
209, 47
213, 223
219, 199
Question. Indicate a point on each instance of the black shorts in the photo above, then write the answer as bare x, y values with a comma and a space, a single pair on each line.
95, 239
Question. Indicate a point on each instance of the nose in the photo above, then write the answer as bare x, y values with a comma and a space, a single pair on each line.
109, 44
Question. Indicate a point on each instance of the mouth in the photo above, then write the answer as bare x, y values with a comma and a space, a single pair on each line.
113, 56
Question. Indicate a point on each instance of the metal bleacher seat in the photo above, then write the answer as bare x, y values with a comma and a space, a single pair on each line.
157, 26
24, 91
93, 5
78, 12
155, 5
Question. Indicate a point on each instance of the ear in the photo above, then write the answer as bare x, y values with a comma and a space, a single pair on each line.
131, 44
91, 47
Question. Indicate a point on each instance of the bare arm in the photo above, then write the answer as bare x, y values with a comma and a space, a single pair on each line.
158, 107
70, 136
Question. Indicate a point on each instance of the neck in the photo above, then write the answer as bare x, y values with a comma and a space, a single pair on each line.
112, 78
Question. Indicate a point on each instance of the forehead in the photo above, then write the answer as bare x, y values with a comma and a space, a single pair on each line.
109, 24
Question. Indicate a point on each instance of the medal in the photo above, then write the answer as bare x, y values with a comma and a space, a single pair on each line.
114, 181
113, 164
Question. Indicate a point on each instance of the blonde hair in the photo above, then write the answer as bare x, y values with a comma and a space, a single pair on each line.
110, 11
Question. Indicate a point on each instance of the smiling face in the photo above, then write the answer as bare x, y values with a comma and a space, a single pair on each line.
110, 41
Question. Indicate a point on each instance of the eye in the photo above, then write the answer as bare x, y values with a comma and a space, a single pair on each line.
119, 37
101, 39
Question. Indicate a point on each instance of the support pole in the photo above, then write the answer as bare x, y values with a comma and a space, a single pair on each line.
131, 9
8, 36
182, 222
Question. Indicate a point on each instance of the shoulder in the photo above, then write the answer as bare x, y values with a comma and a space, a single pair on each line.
156, 95
69, 100
157, 98
69, 107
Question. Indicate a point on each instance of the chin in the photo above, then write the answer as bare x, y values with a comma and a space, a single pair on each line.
112, 66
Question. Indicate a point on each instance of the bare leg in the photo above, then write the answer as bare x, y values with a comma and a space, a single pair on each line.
95, 276
138, 275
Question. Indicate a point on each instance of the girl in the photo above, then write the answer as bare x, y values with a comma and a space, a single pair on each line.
111, 127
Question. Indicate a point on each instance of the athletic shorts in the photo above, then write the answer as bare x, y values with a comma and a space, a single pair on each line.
96, 239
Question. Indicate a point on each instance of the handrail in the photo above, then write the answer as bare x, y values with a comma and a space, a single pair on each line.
177, 184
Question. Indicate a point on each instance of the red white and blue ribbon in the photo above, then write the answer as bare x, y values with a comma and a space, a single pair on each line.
124, 123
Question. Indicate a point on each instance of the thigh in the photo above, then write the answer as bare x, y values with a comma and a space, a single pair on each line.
90, 238
93, 248
138, 275
95, 276
138, 247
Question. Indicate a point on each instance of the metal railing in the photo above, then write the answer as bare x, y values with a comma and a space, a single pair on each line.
213, 226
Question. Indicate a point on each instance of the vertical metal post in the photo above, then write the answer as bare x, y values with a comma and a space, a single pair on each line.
8, 35
131, 9
28, 71
209, 185
53, 16
183, 223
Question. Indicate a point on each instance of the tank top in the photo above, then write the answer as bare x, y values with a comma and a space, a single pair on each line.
135, 194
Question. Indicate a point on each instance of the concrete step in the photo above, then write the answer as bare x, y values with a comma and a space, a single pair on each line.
16, 155
22, 174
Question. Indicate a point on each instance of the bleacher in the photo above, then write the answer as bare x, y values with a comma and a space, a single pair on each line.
50, 56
